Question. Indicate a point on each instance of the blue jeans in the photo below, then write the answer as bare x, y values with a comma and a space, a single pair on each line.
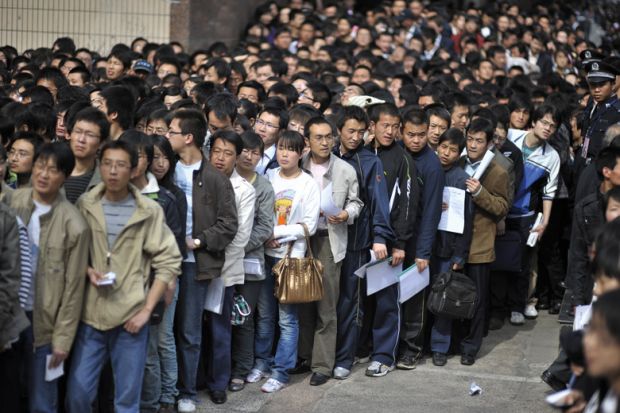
442, 327
161, 372
92, 348
43, 394
192, 295
286, 351
266, 320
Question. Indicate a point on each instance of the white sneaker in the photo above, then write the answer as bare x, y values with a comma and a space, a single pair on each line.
517, 318
378, 369
341, 373
186, 406
255, 376
530, 311
272, 386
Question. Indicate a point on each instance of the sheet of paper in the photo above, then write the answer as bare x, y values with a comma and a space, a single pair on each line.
583, 314
381, 275
453, 219
411, 282
361, 271
484, 164
54, 373
215, 296
328, 206
252, 266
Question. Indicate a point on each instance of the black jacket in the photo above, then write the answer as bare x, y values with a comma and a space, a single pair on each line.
403, 191
588, 218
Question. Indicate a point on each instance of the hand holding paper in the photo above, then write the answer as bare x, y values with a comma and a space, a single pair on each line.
328, 206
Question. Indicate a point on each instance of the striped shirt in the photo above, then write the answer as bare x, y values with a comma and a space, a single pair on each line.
116, 216
26, 286
75, 186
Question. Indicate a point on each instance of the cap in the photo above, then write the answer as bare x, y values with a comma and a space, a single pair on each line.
405, 15
590, 55
143, 65
362, 101
599, 71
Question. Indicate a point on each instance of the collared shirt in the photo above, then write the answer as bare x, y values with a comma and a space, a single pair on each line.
471, 167
268, 155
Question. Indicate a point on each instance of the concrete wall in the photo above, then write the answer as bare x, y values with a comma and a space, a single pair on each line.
199, 23
95, 24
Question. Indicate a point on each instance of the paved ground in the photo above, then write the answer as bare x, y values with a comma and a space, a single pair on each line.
508, 370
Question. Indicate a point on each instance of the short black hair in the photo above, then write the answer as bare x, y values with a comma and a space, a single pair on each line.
455, 99
321, 93
613, 193
438, 110
120, 100
123, 56
352, 112
60, 153
223, 105
482, 125
193, 122
275, 111
253, 84
607, 307
607, 158
415, 116
222, 68
302, 113
228, 136
543, 110
375, 111
287, 90
454, 136
94, 116
252, 140
317, 120
33, 138
124, 146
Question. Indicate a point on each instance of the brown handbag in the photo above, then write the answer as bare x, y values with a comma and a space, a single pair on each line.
298, 280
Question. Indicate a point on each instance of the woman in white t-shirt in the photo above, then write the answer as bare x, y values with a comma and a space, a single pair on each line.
297, 200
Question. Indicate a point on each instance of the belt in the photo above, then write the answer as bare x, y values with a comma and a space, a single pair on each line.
322, 233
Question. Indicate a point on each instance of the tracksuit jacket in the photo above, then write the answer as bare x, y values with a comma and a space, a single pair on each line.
403, 191
373, 223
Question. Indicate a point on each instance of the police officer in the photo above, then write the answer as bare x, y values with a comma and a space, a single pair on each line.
602, 110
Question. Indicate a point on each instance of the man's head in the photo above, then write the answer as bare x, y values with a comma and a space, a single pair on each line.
319, 138
545, 121
89, 128
78, 76
316, 94
252, 91
352, 126
217, 70
415, 126
188, 128
479, 137
450, 146
458, 105
253, 148
117, 160
226, 146
119, 105
52, 165
384, 123
520, 109
299, 115
608, 166
221, 110
118, 63
143, 144
438, 122
52, 79
612, 204
23, 149
268, 124
264, 70
606, 262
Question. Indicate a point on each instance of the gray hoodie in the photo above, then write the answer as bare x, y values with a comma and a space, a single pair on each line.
263, 224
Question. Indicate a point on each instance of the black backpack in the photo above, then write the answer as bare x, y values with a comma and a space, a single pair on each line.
453, 295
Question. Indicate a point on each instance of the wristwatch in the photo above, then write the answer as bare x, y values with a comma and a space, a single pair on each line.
197, 243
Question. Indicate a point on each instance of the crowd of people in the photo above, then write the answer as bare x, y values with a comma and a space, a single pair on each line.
147, 195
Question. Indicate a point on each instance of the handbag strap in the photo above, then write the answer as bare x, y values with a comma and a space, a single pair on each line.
307, 235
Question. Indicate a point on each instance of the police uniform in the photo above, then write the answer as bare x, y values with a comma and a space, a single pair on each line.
597, 116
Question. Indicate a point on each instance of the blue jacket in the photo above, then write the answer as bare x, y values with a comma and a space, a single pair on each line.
448, 245
373, 223
431, 180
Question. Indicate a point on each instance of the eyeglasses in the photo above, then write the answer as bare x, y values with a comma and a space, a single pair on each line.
171, 132
109, 164
248, 152
19, 154
88, 135
42, 166
548, 124
159, 130
260, 122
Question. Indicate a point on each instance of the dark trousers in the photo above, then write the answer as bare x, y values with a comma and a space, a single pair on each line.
552, 255
243, 335
350, 308
414, 318
509, 289
479, 274
385, 325
218, 337
11, 362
